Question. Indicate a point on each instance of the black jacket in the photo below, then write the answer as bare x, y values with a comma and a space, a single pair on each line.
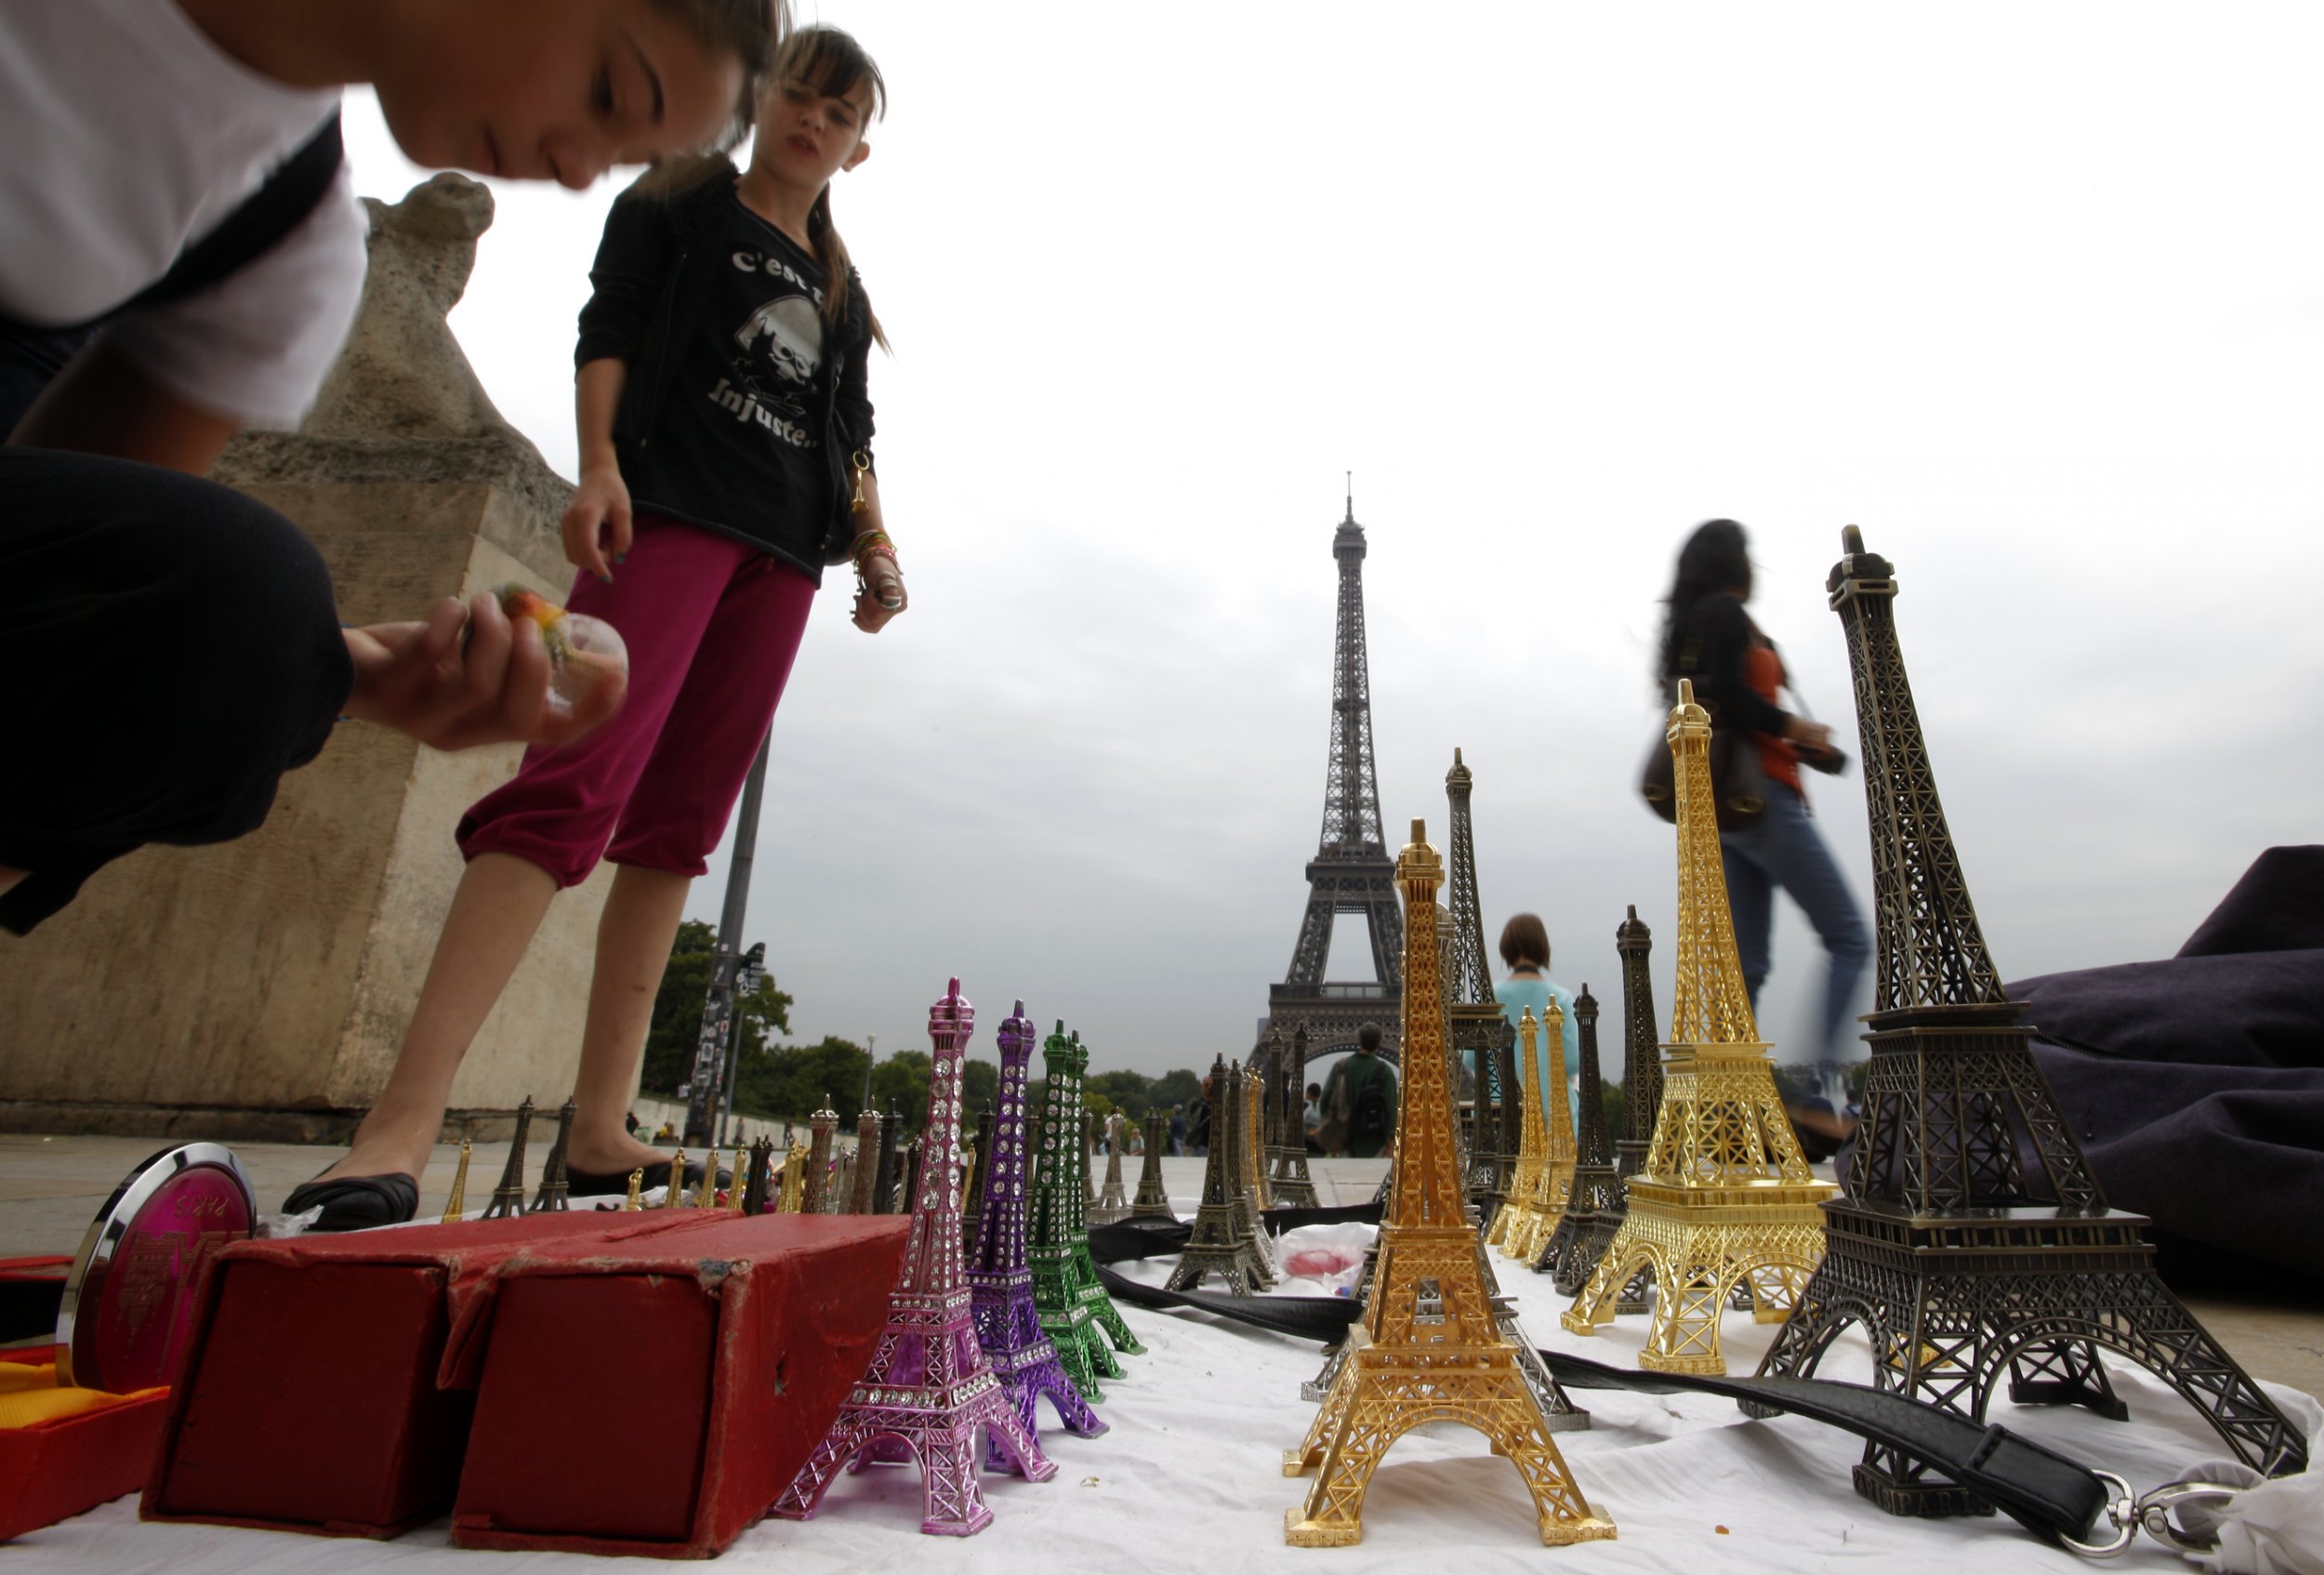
655, 266
1714, 649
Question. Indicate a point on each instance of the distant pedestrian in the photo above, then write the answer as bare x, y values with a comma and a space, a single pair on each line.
1178, 1130
1359, 1101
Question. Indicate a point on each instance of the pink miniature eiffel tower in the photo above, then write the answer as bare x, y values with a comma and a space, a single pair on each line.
1000, 1279
929, 1389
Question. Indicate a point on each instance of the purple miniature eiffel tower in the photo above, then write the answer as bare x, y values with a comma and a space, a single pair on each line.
929, 1389
1000, 1279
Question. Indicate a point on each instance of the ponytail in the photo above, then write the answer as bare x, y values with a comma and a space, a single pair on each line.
839, 270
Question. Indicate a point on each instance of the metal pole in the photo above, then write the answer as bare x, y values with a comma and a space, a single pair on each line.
717, 1008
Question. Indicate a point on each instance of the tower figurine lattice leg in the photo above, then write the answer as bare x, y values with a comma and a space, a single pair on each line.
1430, 1348
928, 1391
1000, 1282
1725, 1198
1967, 1256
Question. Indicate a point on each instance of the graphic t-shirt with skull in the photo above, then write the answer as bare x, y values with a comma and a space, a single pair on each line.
739, 447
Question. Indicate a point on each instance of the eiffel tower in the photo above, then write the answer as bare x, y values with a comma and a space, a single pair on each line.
1725, 1199
1290, 1184
1589, 1207
1350, 871
1642, 1099
1962, 1264
1479, 1030
1430, 1347
928, 1391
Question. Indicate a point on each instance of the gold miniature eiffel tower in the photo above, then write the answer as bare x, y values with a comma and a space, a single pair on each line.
1255, 1136
1429, 1349
1531, 1149
1554, 1188
1724, 1200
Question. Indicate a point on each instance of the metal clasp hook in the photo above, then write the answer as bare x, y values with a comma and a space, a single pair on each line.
2153, 1513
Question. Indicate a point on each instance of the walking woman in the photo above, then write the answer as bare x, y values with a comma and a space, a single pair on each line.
1739, 674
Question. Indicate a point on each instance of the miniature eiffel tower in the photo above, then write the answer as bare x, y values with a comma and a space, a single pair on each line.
1725, 1198
455, 1206
1222, 1241
929, 1389
508, 1197
1000, 1281
1153, 1201
1292, 1186
1525, 1177
753, 1180
792, 1197
1088, 1285
555, 1184
1088, 1164
1430, 1348
816, 1199
1055, 1226
885, 1168
1966, 1255
866, 1160
1113, 1202
1642, 1099
1553, 1190
1255, 1138
1478, 1027
674, 1194
1231, 1117
972, 1210
1589, 1207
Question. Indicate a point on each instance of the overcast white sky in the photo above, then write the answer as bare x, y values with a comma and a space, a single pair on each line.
2033, 294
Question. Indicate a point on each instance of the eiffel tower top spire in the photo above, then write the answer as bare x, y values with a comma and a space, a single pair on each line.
1709, 1005
1932, 952
1467, 978
1352, 791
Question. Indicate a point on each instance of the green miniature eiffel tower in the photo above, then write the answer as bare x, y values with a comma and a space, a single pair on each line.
1088, 1284
1054, 1228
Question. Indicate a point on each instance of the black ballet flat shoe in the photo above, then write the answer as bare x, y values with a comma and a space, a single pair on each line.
356, 1202
615, 1183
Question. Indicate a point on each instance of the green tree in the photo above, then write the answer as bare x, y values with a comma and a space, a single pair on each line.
901, 1081
677, 1024
980, 1085
796, 1078
1610, 1094
1181, 1087
1130, 1092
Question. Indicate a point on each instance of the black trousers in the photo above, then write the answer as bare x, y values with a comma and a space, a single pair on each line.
168, 648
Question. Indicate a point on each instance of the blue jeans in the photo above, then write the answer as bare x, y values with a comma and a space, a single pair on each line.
1784, 850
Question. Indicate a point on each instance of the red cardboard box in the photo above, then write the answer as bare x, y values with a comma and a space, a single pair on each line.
325, 1389
50, 1469
656, 1394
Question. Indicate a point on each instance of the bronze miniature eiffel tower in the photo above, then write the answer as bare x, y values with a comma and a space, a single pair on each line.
508, 1197
1725, 1198
1642, 1101
1255, 1138
867, 1145
1222, 1241
1965, 1255
816, 1199
1478, 1028
1430, 1348
1292, 1186
754, 1179
1231, 1126
1589, 1208
554, 1184
1153, 1201
1113, 1203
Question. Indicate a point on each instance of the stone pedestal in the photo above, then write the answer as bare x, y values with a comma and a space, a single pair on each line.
259, 989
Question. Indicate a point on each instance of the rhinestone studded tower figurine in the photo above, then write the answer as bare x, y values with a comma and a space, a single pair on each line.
1153, 1201
1088, 1285
1293, 1188
1430, 1349
1054, 1226
1221, 1243
929, 1389
1966, 1254
867, 1161
1589, 1208
1526, 1178
1553, 1189
819, 1126
1725, 1198
1000, 1281
508, 1197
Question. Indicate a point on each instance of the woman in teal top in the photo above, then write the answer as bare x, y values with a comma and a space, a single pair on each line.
1525, 953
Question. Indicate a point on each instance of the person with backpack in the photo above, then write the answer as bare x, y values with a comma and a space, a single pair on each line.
1360, 1100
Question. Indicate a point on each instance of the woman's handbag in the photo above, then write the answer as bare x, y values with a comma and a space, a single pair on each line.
1739, 782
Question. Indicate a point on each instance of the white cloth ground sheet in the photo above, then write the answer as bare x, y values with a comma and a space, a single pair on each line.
1190, 1478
